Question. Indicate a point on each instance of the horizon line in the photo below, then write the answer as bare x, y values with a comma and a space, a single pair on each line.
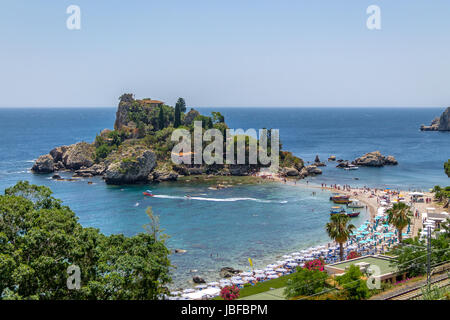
217, 106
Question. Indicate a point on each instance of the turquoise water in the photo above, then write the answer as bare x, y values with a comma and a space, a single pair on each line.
225, 227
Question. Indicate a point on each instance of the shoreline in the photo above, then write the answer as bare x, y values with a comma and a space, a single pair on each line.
371, 198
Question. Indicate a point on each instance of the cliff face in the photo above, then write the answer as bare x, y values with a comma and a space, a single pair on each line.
441, 123
444, 121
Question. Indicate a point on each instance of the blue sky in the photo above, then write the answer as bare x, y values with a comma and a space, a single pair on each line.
225, 53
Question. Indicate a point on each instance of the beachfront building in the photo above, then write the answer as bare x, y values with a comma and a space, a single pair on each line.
387, 272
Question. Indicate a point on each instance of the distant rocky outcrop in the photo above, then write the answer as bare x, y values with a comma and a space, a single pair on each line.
374, 159
441, 123
139, 149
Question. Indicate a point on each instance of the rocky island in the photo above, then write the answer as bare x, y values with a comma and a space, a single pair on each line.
441, 123
139, 148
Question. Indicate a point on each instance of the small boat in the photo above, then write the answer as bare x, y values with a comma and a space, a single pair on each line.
148, 193
336, 210
355, 204
341, 199
351, 167
353, 214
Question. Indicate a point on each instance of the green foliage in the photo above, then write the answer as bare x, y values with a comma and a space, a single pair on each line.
161, 119
177, 121
105, 145
306, 282
207, 122
411, 257
40, 238
441, 194
181, 104
447, 168
287, 159
399, 217
339, 231
353, 287
217, 117
126, 97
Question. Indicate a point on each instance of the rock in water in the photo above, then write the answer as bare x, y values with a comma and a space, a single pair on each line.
44, 164
198, 279
131, 169
228, 272
374, 159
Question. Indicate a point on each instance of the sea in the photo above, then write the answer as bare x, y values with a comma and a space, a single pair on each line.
226, 227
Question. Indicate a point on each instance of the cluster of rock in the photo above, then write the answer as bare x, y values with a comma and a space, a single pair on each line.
441, 123
374, 159
77, 157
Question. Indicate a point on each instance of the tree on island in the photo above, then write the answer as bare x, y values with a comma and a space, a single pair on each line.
40, 239
339, 231
177, 117
161, 121
447, 168
398, 216
181, 104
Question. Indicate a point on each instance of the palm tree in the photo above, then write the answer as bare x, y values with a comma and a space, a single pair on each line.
398, 216
339, 231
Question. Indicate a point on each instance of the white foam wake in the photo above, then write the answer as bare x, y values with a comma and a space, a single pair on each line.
161, 196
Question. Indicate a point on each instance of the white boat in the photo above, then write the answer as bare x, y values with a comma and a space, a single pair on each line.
351, 167
355, 204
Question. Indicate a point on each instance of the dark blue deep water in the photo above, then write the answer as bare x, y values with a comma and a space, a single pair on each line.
226, 227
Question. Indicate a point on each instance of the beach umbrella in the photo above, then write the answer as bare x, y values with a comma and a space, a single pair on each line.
258, 271
249, 279
213, 284
175, 293
287, 256
246, 274
268, 269
280, 263
237, 281
281, 270
201, 286
273, 276
292, 264
270, 272
290, 260
296, 254
188, 290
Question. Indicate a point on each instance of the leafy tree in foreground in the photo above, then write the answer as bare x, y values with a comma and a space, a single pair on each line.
339, 231
306, 282
398, 216
411, 257
40, 238
353, 286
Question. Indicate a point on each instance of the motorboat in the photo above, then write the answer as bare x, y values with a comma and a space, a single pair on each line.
148, 193
354, 203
